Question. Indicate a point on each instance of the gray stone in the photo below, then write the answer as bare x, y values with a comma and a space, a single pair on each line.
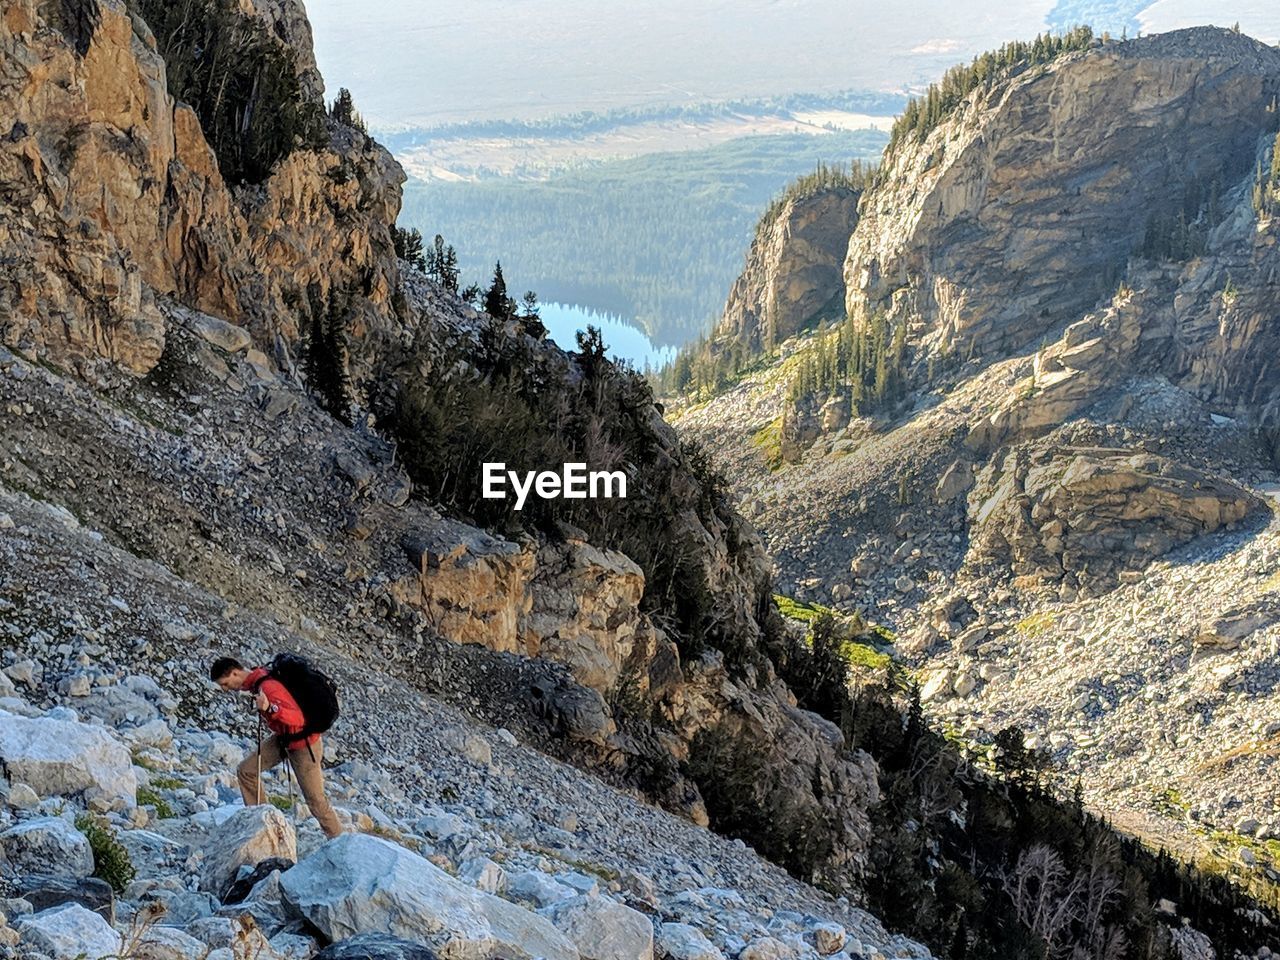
168, 943
62, 758
603, 929
358, 883
70, 931
536, 888
248, 837
375, 946
679, 941
48, 845
43, 892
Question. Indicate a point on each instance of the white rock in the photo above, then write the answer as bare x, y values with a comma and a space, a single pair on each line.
60, 758
168, 943
70, 930
767, 948
536, 888
937, 686
604, 929
483, 874
965, 683
679, 941
48, 845
357, 883
22, 797
246, 838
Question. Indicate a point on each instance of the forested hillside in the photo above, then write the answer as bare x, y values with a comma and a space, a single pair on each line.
656, 238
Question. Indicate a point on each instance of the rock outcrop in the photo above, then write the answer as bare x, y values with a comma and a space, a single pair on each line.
1015, 214
1091, 514
113, 199
794, 270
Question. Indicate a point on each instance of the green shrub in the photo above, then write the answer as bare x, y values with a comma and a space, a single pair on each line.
148, 797
110, 858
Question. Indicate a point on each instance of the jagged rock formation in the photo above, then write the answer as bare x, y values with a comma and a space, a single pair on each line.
1021, 210
1092, 514
113, 198
794, 270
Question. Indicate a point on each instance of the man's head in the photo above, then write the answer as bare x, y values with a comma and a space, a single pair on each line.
228, 673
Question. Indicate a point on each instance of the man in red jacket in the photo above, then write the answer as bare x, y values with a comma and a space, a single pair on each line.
281, 712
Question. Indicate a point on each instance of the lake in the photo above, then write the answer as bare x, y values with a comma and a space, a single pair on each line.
623, 341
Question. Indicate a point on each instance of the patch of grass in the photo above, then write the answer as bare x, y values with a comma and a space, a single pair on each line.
165, 781
768, 440
110, 858
148, 797
1036, 624
884, 633
795, 610
864, 655
281, 803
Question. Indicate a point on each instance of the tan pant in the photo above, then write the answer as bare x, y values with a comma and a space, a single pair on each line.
305, 767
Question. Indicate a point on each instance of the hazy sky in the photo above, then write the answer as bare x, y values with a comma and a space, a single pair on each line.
427, 61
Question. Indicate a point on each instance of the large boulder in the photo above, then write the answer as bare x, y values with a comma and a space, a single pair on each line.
680, 941
1229, 630
375, 946
70, 931
357, 883
43, 892
167, 943
48, 845
604, 929
63, 758
245, 839
1093, 513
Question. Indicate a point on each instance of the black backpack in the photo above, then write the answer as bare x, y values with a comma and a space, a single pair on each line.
316, 694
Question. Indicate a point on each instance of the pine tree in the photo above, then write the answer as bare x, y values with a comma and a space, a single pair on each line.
325, 366
437, 259
344, 111
496, 302
449, 270
408, 246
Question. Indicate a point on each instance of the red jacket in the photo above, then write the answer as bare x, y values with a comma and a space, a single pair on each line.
283, 716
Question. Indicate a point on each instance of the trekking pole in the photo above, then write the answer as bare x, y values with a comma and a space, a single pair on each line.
257, 794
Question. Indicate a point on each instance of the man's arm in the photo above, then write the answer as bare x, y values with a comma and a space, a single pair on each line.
275, 703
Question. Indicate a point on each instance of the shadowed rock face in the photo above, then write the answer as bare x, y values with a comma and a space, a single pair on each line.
1019, 213
793, 271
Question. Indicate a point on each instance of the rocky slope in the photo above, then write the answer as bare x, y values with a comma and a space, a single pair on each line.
1074, 486
151, 319
497, 848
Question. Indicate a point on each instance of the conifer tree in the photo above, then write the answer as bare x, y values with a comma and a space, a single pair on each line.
496, 302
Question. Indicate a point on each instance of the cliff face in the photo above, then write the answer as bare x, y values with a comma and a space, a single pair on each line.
794, 269
113, 198
1020, 211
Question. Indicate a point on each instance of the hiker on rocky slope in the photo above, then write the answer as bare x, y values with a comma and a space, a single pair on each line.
277, 689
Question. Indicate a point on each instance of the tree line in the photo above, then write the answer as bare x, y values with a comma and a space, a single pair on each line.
924, 113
